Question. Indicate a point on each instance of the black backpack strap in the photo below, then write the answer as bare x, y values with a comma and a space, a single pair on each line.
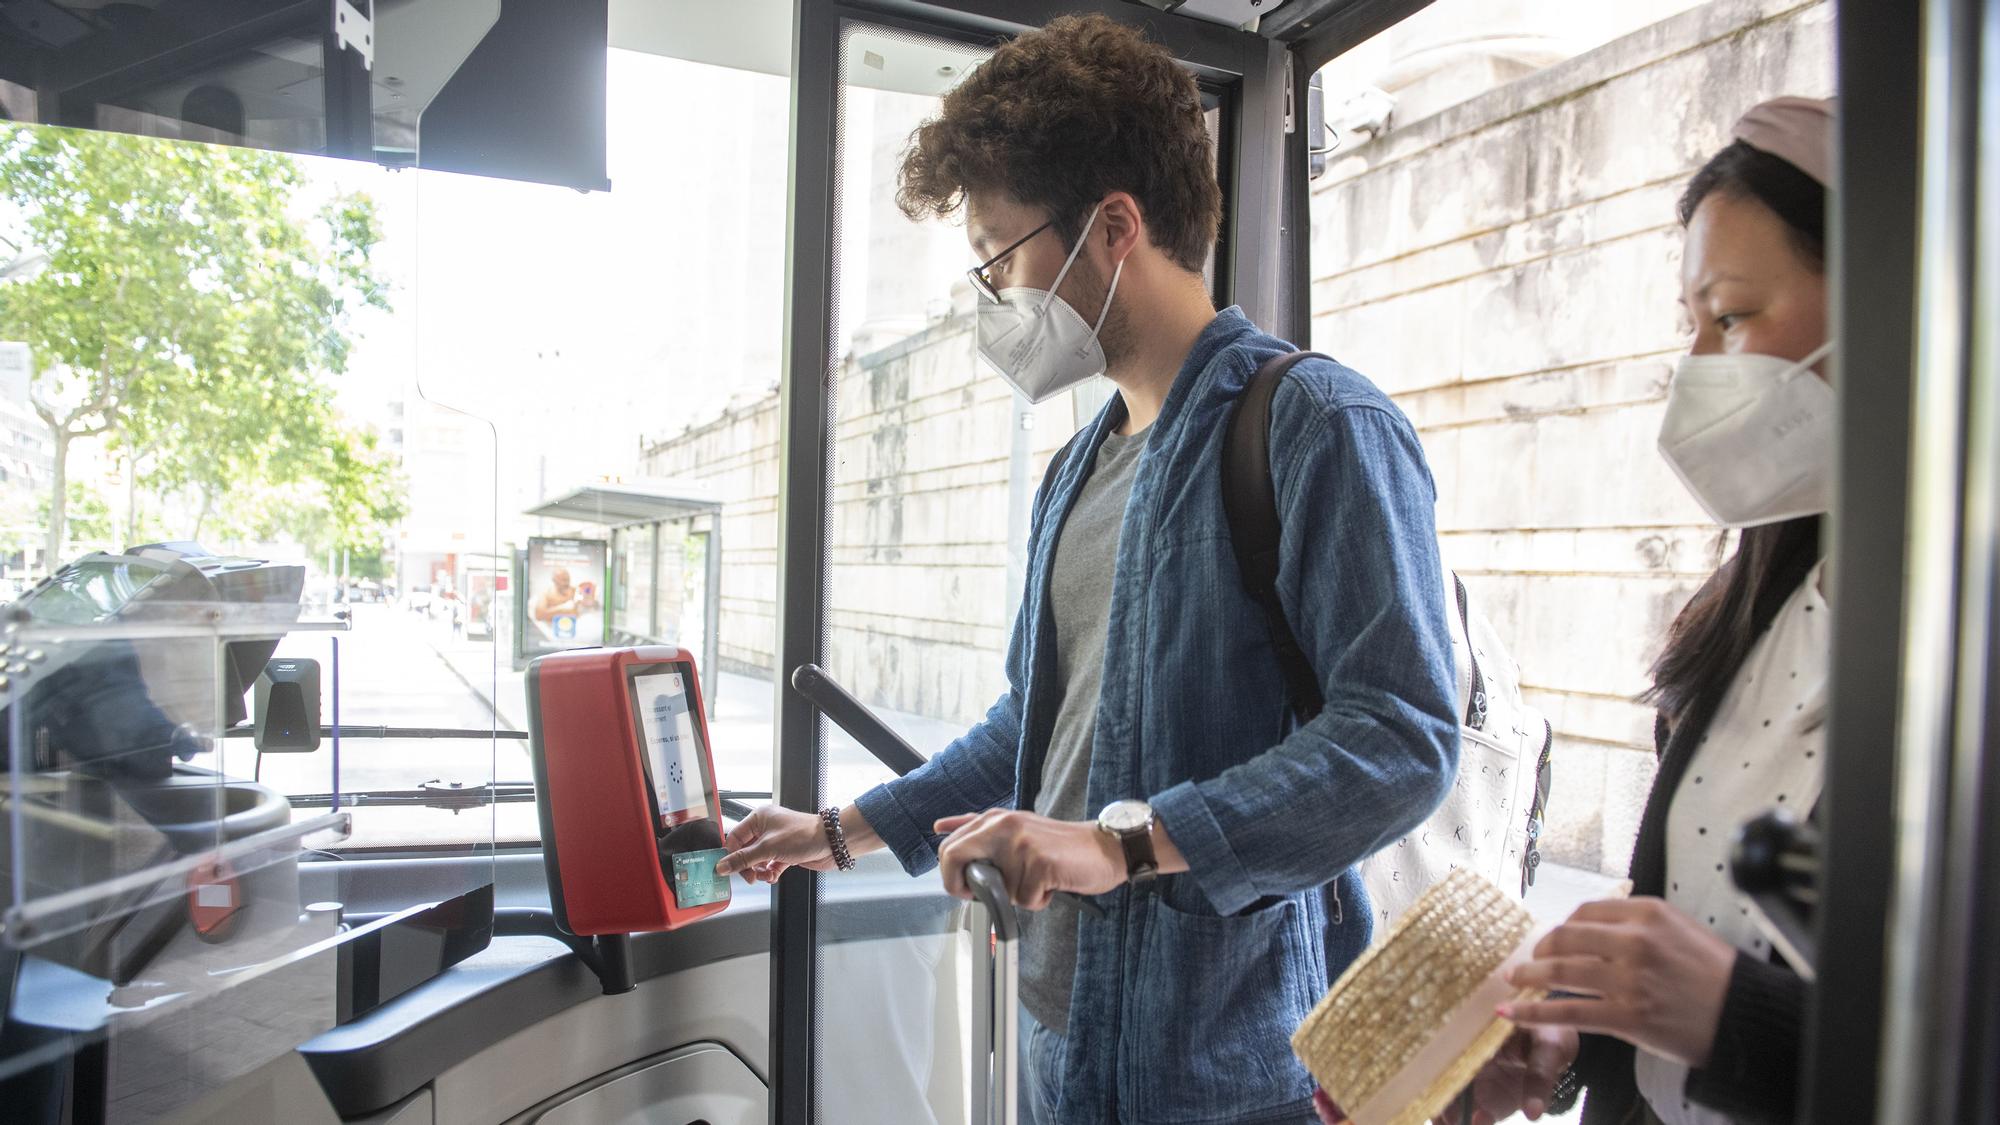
1250, 503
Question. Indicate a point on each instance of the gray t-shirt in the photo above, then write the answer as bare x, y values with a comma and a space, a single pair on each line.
1086, 559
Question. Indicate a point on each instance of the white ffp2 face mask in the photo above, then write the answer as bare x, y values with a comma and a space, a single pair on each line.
1751, 436
1036, 341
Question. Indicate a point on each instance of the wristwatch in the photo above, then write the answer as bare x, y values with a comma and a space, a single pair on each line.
1130, 822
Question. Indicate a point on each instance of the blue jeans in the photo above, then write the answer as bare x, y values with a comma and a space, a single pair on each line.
1041, 1055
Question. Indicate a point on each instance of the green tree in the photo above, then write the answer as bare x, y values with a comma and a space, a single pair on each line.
343, 503
90, 516
187, 310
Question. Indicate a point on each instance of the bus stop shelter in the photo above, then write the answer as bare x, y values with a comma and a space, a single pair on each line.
665, 560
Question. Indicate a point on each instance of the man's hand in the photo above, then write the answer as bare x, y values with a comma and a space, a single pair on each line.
1649, 975
775, 838
1037, 856
772, 839
1521, 1078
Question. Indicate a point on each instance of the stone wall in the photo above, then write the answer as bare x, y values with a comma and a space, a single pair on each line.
1508, 270
738, 453
918, 608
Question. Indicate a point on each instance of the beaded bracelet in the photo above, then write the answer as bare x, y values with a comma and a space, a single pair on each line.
829, 818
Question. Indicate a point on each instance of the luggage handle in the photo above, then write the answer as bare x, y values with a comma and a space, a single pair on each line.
990, 891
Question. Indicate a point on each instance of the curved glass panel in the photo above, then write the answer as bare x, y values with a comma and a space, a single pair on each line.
200, 492
218, 679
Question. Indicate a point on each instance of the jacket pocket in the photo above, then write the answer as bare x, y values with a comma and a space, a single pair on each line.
1209, 1038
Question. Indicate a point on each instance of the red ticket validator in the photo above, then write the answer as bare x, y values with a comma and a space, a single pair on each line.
625, 786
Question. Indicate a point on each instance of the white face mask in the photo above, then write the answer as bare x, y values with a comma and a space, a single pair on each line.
1751, 436
1036, 341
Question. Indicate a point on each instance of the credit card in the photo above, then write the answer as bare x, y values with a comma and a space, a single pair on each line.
695, 881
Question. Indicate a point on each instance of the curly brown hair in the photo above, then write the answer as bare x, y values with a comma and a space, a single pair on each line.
1061, 117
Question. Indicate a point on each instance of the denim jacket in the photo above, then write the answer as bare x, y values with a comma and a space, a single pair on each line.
1186, 995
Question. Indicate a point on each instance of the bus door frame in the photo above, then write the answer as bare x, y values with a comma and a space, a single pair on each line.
1250, 273
1905, 1014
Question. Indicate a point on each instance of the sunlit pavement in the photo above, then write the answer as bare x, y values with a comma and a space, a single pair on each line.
392, 675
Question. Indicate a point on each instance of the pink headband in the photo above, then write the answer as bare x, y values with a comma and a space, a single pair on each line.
1798, 131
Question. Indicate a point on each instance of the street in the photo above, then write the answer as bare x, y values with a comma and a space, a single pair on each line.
391, 674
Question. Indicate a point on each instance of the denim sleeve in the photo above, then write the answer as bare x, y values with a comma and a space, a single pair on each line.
1363, 590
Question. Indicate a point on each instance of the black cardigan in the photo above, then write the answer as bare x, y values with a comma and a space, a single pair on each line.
1752, 1071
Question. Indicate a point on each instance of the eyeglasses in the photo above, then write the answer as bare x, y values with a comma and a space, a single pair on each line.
981, 275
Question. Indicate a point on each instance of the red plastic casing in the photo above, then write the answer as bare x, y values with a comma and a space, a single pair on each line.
600, 826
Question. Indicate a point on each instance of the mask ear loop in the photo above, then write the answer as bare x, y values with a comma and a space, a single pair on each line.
1818, 354
1108, 294
1070, 261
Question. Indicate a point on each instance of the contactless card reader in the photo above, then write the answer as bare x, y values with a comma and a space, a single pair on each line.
625, 785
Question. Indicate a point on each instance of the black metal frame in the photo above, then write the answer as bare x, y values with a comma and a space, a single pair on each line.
1905, 1025
1250, 67
1320, 30
804, 468
348, 88
1874, 254
1930, 1070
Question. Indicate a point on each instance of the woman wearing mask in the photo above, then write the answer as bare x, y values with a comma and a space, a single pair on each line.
1671, 1007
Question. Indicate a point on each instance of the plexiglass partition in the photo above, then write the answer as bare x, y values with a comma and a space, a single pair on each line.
258, 584
154, 904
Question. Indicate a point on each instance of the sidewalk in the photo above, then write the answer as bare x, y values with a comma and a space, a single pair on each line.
484, 667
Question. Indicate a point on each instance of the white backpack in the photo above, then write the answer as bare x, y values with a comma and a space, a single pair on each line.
1492, 818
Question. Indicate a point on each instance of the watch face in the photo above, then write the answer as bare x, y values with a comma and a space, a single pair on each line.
1125, 816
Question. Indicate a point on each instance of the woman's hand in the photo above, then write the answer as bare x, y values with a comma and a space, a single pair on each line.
1645, 972
1521, 1078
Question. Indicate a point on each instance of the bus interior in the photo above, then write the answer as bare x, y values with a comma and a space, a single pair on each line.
385, 367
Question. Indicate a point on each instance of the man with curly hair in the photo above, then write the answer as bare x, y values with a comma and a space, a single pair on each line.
1175, 938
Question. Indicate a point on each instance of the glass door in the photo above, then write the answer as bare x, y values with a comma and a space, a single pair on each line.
907, 472
916, 599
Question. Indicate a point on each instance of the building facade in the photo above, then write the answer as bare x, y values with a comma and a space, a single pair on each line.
1531, 233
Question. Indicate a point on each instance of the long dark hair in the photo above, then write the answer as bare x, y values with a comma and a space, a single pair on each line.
1714, 633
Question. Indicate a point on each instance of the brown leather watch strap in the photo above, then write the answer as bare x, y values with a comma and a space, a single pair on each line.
1141, 865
